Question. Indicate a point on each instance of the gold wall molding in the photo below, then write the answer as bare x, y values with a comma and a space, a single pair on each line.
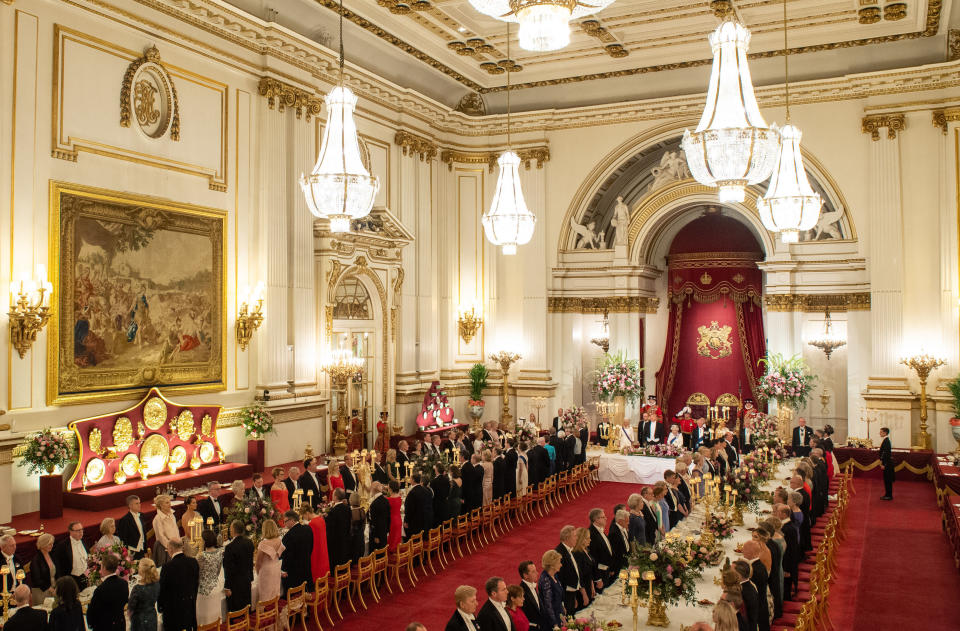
814, 303
416, 145
282, 95
611, 46
527, 155
6, 451
941, 118
894, 122
608, 304
137, 97
953, 44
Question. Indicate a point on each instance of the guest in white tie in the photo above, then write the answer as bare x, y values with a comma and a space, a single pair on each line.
464, 619
675, 439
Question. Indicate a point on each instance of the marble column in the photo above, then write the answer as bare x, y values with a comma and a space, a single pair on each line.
303, 320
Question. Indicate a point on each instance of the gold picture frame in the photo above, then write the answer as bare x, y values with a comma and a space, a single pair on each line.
124, 320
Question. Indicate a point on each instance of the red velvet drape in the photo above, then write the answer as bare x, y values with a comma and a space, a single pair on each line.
750, 320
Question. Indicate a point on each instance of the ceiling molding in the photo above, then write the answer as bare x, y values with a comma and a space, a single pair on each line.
527, 155
605, 304
416, 145
859, 301
282, 95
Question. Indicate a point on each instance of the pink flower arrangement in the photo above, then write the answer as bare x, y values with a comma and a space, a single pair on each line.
47, 450
619, 377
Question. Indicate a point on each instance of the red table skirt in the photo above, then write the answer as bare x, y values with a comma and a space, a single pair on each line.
909, 464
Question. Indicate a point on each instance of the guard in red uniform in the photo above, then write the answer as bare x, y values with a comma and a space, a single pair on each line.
383, 434
652, 406
685, 420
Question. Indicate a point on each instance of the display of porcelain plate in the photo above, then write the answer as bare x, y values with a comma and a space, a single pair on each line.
178, 456
95, 470
155, 413
207, 452
155, 453
130, 464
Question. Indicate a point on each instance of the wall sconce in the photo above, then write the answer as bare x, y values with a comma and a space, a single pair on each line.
249, 320
29, 309
469, 323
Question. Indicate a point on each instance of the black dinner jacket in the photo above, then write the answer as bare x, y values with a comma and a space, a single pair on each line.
177, 600
760, 579
238, 572
263, 494
418, 510
599, 552
206, 509
733, 458
886, 453
568, 575
349, 482
27, 619
491, 620
291, 487
338, 534
307, 484
105, 611
379, 516
510, 471
659, 433
62, 555
808, 434
620, 547
792, 553
531, 607
698, 435
440, 486
380, 474
456, 623
751, 603
650, 524
295, 558
746, 445
127, 530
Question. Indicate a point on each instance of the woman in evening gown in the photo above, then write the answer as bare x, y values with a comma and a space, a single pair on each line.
278, 491
267, 562
396, 523
487, 465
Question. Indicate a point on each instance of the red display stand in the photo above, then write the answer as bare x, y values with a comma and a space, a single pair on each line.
51, 496
256, 454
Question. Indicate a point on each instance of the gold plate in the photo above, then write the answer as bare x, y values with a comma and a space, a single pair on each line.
185, 425
178, 456
95, 440
155, 453
95, 470
207, 452
122, 434
206, 425
155, 413
130, 464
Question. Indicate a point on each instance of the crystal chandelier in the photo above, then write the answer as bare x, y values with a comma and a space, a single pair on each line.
790, 205
829, 342
340, 188
732, 145
508, 222
544, 24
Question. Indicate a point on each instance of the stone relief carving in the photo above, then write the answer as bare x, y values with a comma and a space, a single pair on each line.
828, 227
673, 167
586, 239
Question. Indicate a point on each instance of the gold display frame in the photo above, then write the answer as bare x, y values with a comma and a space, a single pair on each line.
193, 380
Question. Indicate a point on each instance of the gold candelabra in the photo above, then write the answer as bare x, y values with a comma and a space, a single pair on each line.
923, 365
249, 319
505, 359
29, 310
468, 323
342, 365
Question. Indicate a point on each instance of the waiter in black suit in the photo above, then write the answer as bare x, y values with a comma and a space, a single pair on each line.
237, 568
569, 574
493, 616
179, 583
25, 618
105, 611
338, 530
418, 508
211, 507
801, 438
531, 595
132, 529
379, 516
886, 461
298, 547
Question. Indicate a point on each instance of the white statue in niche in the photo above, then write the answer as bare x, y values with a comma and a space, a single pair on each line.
673, 167
828, 226
621, 221
586, 237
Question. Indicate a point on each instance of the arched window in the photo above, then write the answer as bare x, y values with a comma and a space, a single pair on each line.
351, 301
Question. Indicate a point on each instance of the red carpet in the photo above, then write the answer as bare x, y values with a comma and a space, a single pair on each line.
431, 602
895, 567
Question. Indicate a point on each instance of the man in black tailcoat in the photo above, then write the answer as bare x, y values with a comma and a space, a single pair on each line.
510, 467
440, 485
498, 474
493, 616
310, 481
418, 508
801, 438
379, 518
237, 568
531, 595
569, 573
25, 618
338, 530
467, 475
601, 550
132, 528
792, 553
179, 583
298, 547
886, 461
105, 611
760, 580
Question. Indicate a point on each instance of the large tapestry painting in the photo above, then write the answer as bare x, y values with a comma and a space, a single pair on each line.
139, 295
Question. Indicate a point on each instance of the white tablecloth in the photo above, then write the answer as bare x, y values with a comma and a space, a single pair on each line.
607, 606
633, 469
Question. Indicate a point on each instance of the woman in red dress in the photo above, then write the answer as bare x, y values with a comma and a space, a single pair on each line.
319, 560
392, 493
278, 491
334, 479
514, 604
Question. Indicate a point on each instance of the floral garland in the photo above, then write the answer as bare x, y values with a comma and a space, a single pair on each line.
618, 377
789, 381
46, 450
571, 623
256, 420
671, 561
657, 450
251, 511
97, 556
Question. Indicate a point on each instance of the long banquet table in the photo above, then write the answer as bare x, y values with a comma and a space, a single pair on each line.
607, 606
633, 469
905, 461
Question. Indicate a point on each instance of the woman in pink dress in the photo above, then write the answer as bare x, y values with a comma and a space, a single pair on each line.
392, 493
267, 562
278, 491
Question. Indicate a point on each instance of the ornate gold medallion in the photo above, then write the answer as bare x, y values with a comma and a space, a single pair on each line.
130, 464
95, 470
155, 453
155, 413
714, 341
185, 425
207, 452
206, 425
122, 434
95, 440
178, 456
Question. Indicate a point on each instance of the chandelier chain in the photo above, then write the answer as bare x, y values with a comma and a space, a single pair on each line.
786, 62
341, 42
509, 66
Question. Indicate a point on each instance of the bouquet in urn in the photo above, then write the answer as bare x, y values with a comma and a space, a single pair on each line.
257, 422
618, 377
670, 560
45, 451
789, 381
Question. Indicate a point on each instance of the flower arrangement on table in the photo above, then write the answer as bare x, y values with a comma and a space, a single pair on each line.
670, 560
424, 464
789, 381
746, 482
618, 377
251, 511
656, 451
574, 418
256, 421
97, 555
46, 450
527, 431
572, 623
720, 525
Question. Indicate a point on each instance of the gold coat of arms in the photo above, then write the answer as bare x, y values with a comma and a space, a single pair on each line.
714, 341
